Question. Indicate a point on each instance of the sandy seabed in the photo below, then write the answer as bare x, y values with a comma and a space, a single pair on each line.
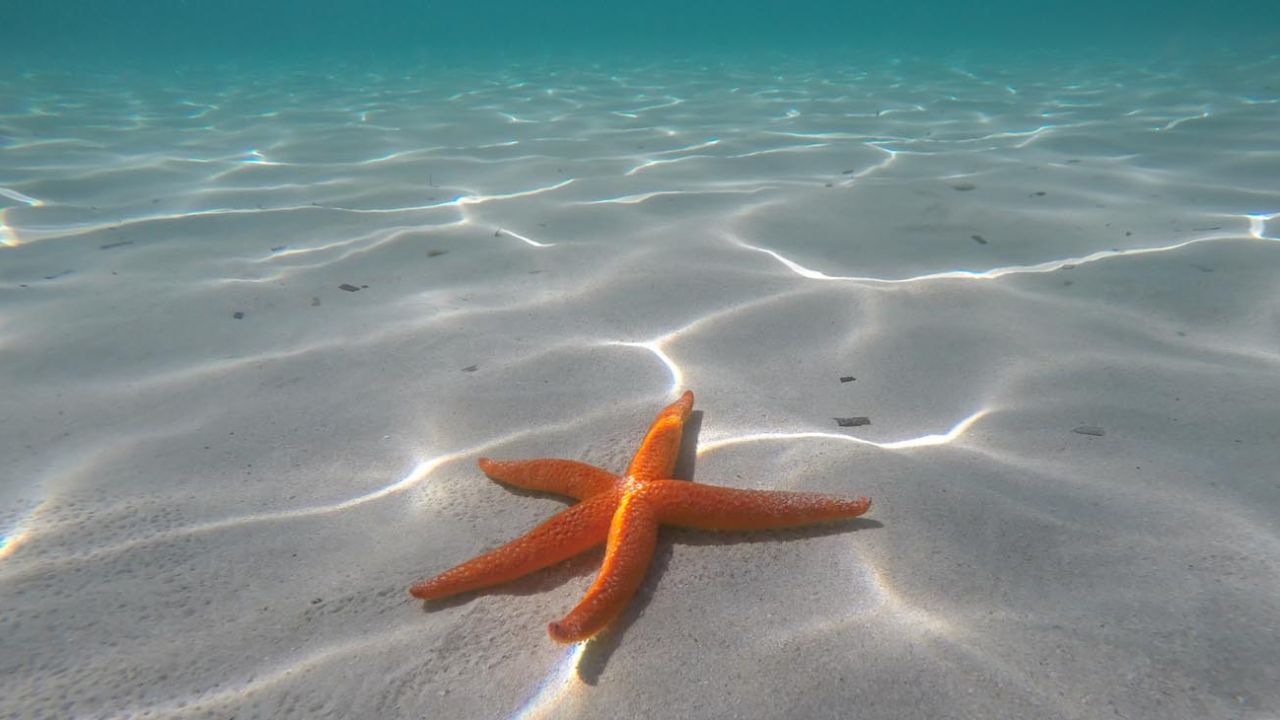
255, 331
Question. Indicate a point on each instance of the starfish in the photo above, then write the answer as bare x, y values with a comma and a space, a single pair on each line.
624, 512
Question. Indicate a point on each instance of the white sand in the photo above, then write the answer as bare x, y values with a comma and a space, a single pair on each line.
206, 516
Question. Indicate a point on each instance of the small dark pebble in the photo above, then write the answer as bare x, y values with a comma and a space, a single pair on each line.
55, 276
1202, 268
1207, 229
1066, 283
436, 253
315, 302
852, 421
471, 368
829, 185
1039, 193
964, 187
497, 233
278, 248
364, 287
155, 200
237, 315
1127, 233
348, 287
846, 172
1089, 430
979, 239
1068, 267
848, 378
317, 601
118, 243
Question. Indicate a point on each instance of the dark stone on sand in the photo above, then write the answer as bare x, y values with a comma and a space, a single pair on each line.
116, 244
237, 315
964, 187
471, 368
847, 378
852, 421
315, 302
436, 253
497, 233
1089, 430
979, 239
1039, 193
846, 172
55, 276
278, 248
348, 287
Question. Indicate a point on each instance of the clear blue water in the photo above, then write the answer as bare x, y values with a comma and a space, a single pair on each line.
155, 33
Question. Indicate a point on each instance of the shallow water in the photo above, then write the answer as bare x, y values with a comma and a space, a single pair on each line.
256, 329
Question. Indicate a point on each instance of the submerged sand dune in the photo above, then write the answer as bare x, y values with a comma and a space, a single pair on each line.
254, 335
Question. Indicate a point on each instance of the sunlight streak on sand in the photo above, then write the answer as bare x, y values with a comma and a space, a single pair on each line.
1257, 223
557, 686
930, 440
655, 347
8, 236
19, 197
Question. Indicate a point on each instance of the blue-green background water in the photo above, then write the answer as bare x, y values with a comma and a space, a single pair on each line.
155, 33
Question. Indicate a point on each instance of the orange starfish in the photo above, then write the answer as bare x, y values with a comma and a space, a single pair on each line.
624, 511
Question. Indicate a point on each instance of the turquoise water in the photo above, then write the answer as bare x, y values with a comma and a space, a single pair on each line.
156, 33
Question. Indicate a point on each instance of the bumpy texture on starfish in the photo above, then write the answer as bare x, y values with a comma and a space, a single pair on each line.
624, 512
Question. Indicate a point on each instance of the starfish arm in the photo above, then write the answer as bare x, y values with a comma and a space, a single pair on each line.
709, 507
566, 477
656, 457
572, 531
633, 535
